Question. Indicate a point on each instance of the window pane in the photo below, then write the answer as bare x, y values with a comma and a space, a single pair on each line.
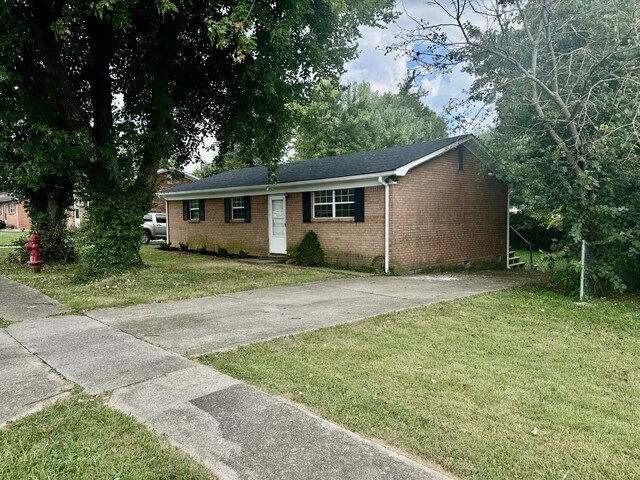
323, 211
277, 218
194, 204
238, 214
195, 214
345, 209
146, 218
161, 219
237, 202
323, 196
345, 195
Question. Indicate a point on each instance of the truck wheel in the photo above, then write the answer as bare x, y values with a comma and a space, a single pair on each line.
146, 238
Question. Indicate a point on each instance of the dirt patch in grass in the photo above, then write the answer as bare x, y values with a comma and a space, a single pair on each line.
524, 383
81, 438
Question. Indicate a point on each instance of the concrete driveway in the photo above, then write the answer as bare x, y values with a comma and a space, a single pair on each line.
227, 321
234, 429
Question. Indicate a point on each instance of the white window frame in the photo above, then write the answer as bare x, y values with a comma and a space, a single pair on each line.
333, 202
238, 205
12, 209
195, 209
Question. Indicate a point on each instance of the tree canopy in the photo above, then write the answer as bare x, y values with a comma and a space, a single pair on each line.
563, 78
344, 119
102, 92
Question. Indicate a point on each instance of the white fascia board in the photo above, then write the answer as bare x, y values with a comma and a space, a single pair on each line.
402, 171
369, 180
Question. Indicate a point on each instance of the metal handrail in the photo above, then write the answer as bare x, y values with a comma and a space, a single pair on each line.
528, 243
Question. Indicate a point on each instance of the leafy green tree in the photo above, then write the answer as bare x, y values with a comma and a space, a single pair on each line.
348, 119
563, 77
132, 82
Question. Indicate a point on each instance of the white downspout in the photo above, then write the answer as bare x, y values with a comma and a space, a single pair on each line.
166, 212
508, 227
386, 224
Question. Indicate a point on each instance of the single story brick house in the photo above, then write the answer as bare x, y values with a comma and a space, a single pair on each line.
13, 212
413, 207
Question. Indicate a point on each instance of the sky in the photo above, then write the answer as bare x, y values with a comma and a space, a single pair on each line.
384, 72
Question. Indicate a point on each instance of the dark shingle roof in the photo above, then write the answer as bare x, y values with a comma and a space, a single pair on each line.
361, 163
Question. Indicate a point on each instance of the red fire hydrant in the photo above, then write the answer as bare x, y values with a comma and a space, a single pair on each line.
33, 247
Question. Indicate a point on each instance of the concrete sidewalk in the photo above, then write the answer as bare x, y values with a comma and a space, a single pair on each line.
227, 321
232, 428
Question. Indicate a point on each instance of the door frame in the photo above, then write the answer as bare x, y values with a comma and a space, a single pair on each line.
272, 249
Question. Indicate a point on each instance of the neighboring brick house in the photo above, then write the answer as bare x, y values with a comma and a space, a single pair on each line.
414, 207
166, 179
13, 212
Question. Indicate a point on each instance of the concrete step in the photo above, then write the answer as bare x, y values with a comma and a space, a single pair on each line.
517, 265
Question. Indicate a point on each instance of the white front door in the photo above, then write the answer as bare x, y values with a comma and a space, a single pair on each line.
277, 224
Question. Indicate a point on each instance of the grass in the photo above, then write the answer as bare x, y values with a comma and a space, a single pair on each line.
167, 276
523, 253
81, 438
463, 384
4, 323
8, 237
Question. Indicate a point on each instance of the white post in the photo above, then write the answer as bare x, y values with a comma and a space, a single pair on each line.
582, 261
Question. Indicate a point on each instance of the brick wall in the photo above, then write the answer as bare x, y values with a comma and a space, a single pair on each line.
19, 219
442, 215
343, 240
165, 181
252, 237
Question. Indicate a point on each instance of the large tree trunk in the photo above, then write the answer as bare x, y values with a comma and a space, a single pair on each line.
47, 208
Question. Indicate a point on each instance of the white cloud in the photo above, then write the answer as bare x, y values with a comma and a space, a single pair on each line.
384, 72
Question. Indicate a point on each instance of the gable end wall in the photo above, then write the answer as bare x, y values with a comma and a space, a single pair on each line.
443, 216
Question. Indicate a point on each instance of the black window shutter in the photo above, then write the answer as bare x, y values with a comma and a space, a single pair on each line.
306, 207
359, 204
185, 210
247, 209
227, 210
201, 206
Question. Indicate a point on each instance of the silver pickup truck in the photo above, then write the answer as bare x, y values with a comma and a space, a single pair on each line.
154, 227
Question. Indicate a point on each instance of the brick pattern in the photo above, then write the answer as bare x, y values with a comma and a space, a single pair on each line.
18, 219
441, 215
252, 237
165, 181
344, 241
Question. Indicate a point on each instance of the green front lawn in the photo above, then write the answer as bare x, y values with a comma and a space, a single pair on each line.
166, 276
521, 384
7, 237
83, 439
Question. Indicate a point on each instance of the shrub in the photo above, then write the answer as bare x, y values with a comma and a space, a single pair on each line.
184, 247
202, 250
242, 254
308, 253
222, 252
164, 246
